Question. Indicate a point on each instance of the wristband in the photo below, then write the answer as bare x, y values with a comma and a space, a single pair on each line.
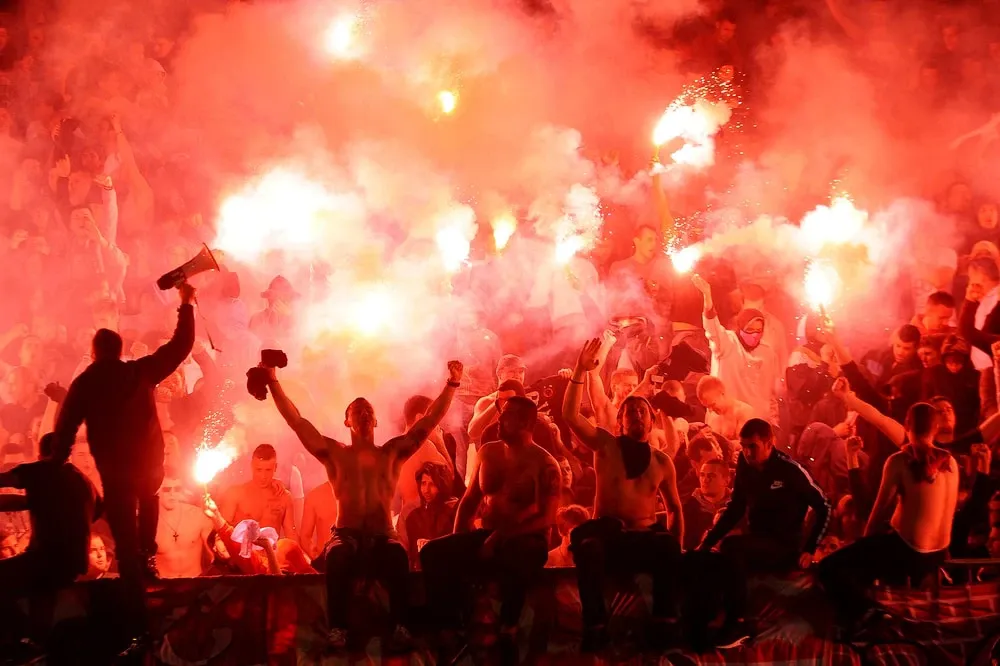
573, 381
454, 384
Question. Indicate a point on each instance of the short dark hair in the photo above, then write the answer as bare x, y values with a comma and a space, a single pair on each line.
987, 266
920, 418
47, 445
528, 407
107, 344
716, 461
265, 452
909, 333
941, 298
699, 445
512, 385
758, 428
934, 341
417, 404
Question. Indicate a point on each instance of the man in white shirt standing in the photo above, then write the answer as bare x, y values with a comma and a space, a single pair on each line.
747, 367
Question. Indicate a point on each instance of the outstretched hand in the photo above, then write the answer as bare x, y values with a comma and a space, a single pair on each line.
588, 359
701, 285
842, 389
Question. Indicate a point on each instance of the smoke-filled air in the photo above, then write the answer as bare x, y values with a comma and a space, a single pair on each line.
431, 178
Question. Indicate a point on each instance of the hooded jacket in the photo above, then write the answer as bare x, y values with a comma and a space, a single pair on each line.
435, 519
699, 514
750, 375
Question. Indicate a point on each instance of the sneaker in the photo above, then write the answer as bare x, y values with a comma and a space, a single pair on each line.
733, 635
400, 642
336, 640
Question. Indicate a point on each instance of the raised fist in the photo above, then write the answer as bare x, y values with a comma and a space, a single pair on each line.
455, 370
187, 292
56, 392
854, 445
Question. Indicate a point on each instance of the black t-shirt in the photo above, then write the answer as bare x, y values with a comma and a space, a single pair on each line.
62, 505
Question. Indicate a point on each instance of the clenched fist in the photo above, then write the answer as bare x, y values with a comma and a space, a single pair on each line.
455, 370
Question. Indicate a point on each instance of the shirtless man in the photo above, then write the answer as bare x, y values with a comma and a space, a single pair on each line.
263, 498
319, 515
181, 534
364, 479
920, 489
517, 482
624, 535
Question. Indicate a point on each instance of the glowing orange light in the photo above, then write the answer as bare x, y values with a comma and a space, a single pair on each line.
685, 259
504, 227
820, 285
340, 36
210, 460
448, 100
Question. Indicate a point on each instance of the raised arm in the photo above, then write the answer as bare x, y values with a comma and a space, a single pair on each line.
889, 426
672, 500
590, 435
484, 414
885, 501
722, 344
315, 443
165, 360
418, 433
599, 400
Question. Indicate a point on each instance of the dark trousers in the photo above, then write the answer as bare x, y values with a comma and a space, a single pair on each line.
744, 555
28, 574
132, 510
351, 554
452, 562
849, 574
604, 546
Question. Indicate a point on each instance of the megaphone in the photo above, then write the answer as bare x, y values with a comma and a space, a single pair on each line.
203, 261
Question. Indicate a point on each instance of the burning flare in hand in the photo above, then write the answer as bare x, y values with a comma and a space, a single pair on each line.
448, 100
210, 460
821, 285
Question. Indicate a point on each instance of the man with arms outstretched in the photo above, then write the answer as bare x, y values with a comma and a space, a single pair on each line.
624, 535
364, 479
517, 483
919, 490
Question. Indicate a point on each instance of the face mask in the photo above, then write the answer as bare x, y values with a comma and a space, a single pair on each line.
751, 340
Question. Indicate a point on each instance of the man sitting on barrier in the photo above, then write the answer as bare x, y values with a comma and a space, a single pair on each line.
518, 483
625, 535
364, 480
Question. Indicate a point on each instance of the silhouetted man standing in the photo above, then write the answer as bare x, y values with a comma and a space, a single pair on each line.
115, 400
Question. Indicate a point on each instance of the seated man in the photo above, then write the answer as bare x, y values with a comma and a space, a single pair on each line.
775, 494
517, 482
920, 488
435, 517
263, 498
62, 504
364, 480
707, 500
625, 535
181, 534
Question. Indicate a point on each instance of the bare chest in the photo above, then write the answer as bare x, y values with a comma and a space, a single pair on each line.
264, 506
